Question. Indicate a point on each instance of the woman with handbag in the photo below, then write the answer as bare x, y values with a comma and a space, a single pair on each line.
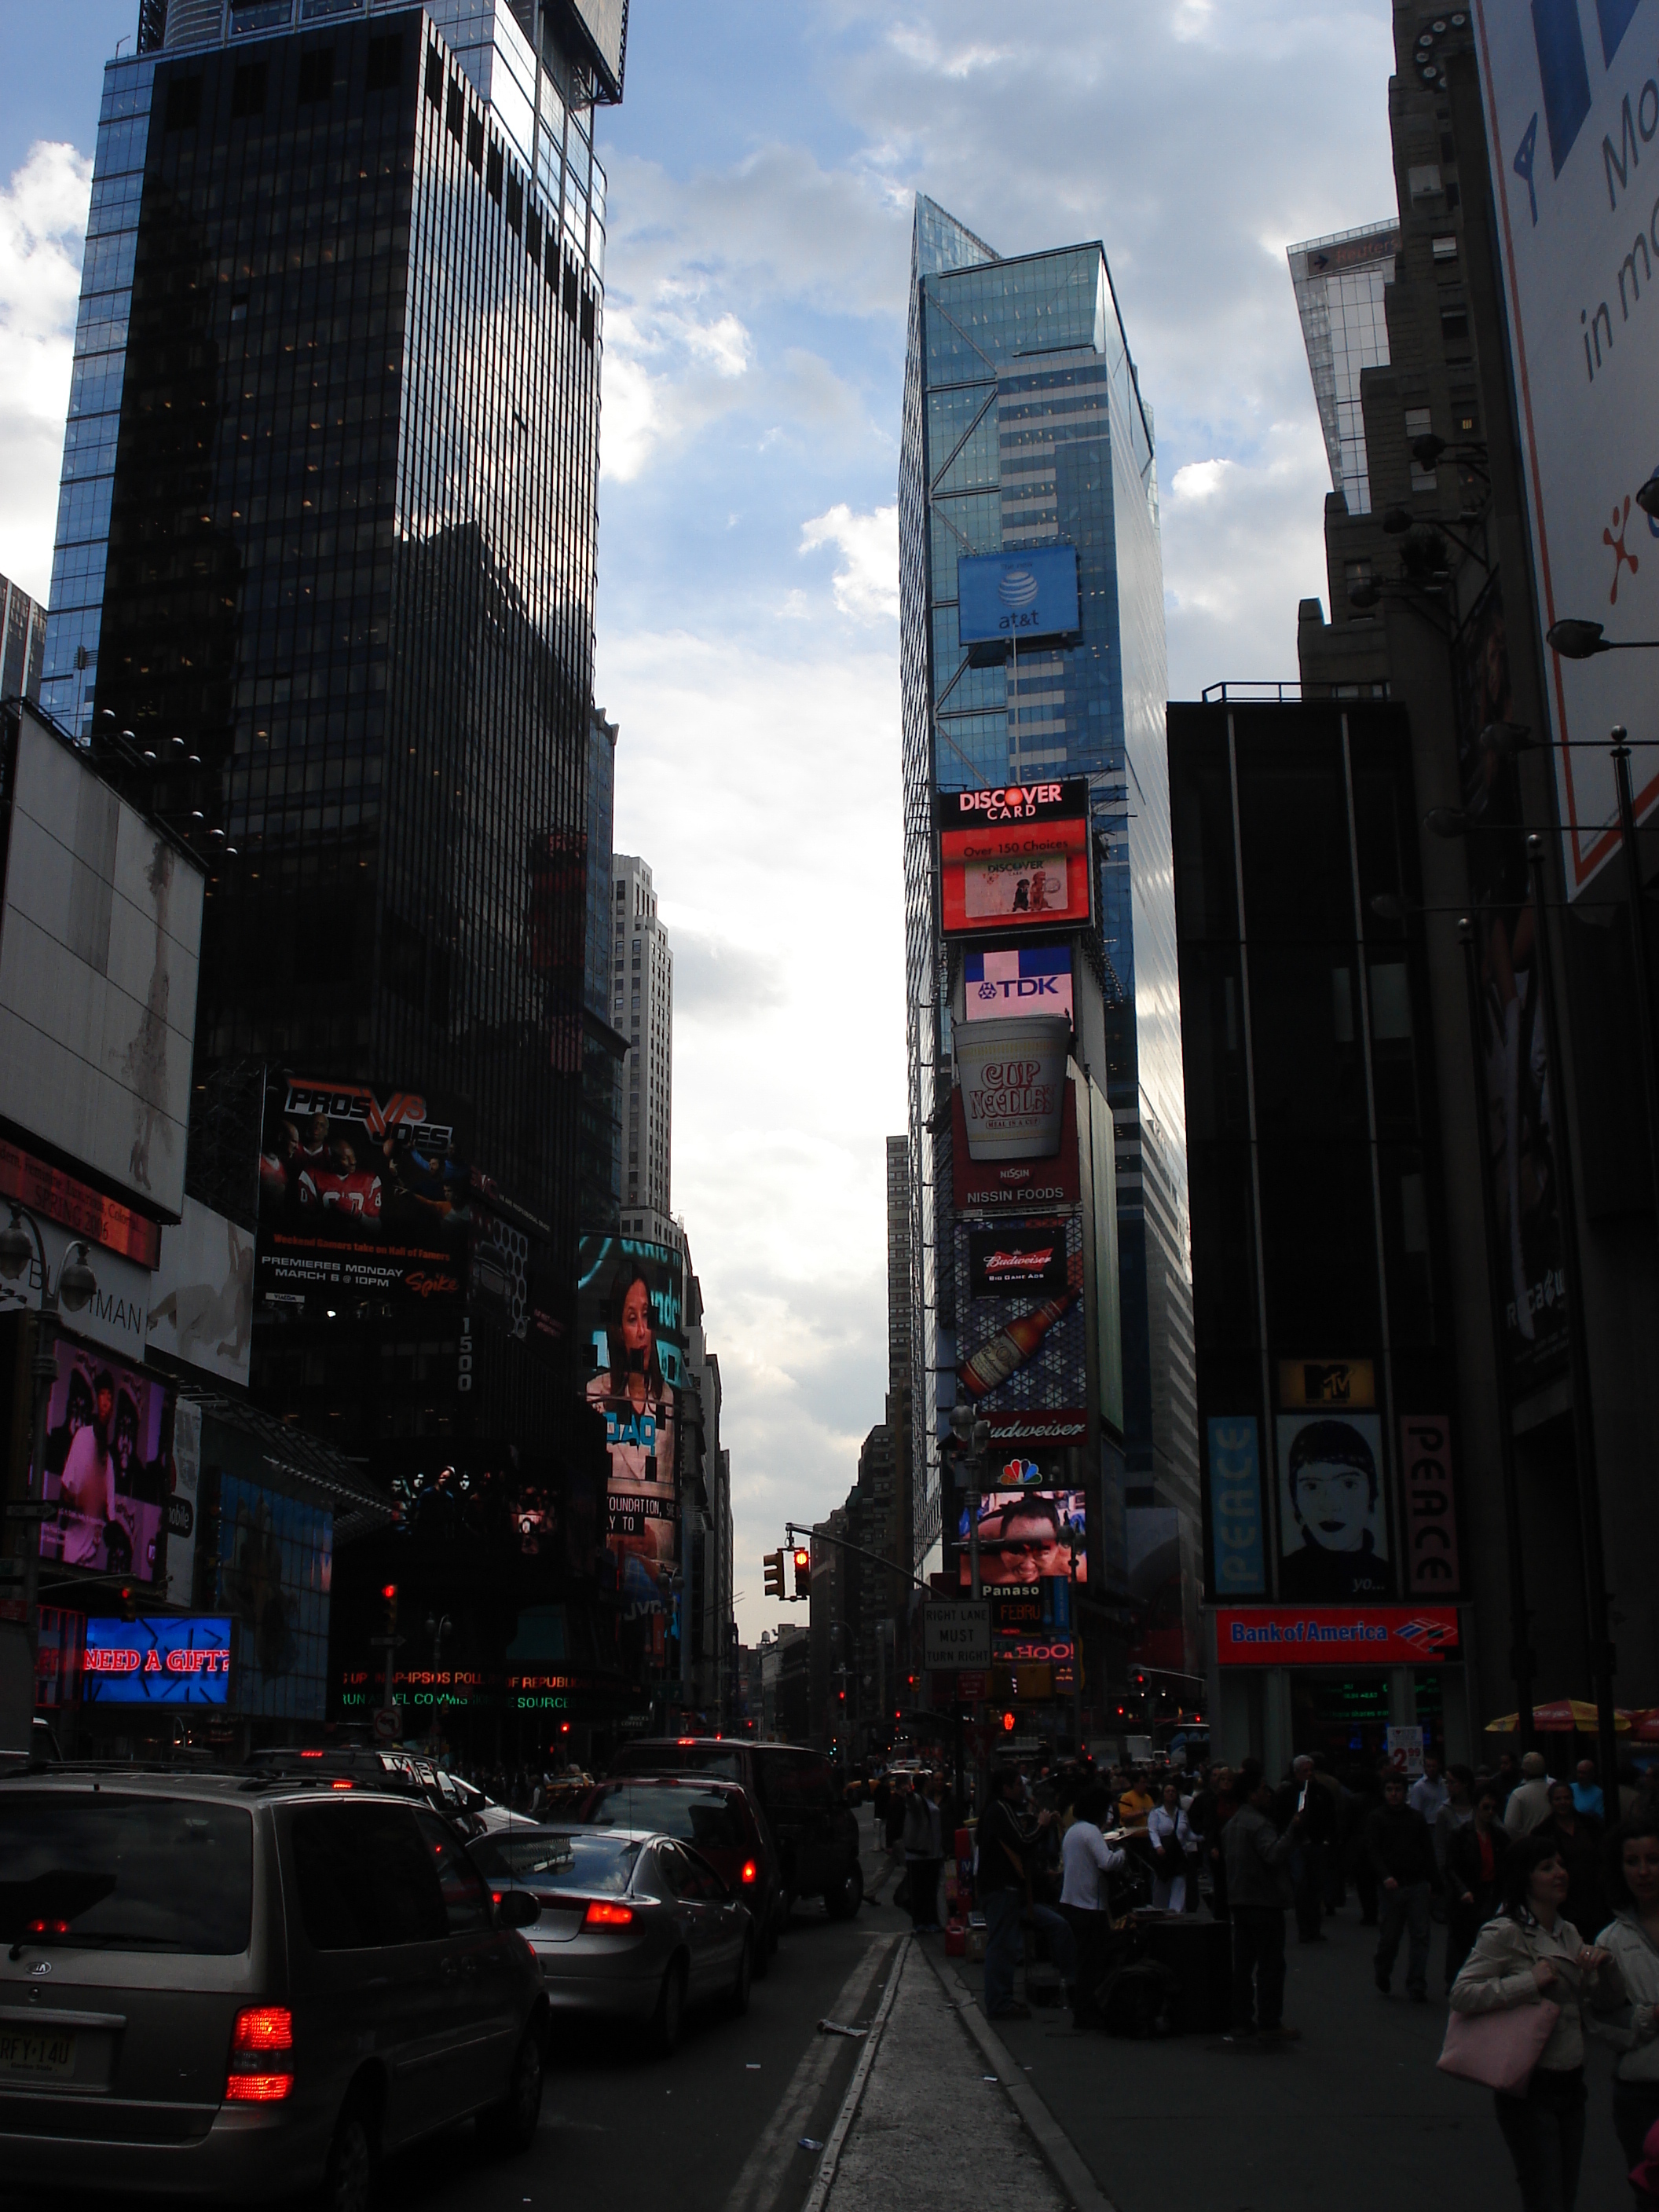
1518, 2005
1633, 1937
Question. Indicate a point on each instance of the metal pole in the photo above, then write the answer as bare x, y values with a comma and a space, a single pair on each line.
973, 1540
1520, 1618
1602, 1654
1077, 1670
1646, 1045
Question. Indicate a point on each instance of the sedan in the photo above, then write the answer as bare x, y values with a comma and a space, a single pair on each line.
634, 1924
719, 1822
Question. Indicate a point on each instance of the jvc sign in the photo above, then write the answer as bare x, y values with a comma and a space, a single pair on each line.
1571, 90
955, 1635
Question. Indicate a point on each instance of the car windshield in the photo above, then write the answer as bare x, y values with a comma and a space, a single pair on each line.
677, 1758
707, 1818
598, 1865
110, 1872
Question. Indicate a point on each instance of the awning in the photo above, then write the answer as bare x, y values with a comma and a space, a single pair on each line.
1560, 1717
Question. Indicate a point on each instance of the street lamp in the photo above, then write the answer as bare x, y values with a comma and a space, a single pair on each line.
75, 1286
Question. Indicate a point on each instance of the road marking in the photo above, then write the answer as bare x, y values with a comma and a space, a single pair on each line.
767, 2179
824, 2180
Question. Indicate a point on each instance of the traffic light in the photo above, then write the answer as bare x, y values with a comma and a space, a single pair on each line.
774, 1564
129, 1603
389, 1592
803, 1571
1007, 1723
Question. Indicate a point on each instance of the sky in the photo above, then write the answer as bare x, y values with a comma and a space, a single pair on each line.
761, 172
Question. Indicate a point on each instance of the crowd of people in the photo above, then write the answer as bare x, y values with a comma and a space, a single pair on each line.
1541, 1895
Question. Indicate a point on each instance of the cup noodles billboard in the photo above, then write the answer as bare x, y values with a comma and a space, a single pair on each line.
1013, 1085
1015, 857
1013, 1185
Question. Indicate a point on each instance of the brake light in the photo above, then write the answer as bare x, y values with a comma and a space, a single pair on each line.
311, 1754
601, 1915
260, 2030
685, 1739
46, 1928
340, 1785
750, 1872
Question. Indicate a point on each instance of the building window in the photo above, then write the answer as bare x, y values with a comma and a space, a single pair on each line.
1445, 248
184, 104
434, 76
385, 64
456, 110
497, 168
1420, 423
475, 138
316, 77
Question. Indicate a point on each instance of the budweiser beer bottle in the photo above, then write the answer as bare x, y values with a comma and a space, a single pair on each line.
1011, 1346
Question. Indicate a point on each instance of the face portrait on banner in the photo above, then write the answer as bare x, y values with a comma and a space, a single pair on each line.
1333, 1520
632, 1393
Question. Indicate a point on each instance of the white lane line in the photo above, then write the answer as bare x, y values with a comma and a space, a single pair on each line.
770, 2176
824, 2180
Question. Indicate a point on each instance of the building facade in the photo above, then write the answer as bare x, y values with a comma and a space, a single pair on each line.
1024, 429
642, 1008
22, 643
1339, 285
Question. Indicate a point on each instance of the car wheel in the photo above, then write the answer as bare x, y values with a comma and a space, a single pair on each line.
352, 2155
510, 2126
670, 2015
842, 1898
739, 2000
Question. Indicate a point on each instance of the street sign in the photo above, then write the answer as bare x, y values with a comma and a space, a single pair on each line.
970, 1688
956, 1632
386, 1724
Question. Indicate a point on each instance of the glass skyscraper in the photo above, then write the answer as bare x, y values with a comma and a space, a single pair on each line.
1340, 283
1024, 426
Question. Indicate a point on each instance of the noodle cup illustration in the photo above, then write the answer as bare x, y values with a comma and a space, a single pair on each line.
1012, 1073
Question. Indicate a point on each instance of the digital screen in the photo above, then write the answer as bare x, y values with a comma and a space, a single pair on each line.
1021, 978
106, 1475
1024, 1255
1022, 1538
1333, 1511
630, 1311
175, 1660
1030, 593
1014, 857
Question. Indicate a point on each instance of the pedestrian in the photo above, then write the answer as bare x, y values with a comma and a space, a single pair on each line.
1632, 1938
1402, 1854
1528, 1952
1364, 1796
1529, 1802
1457, 1812
1428, 1793
1087, 1859
1587, 1791
1474, 1875
924, 1854
1201, 1819
1258, 1891
1169, 1832
1303, 1794
1005, 1896
1508, 1778
1136, 1801
1578, 1838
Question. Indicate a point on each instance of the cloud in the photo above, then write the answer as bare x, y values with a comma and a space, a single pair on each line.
43, 217
867, 582
715, 980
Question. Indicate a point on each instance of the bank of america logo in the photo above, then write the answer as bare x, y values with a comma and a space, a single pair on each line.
1017, 588
1429, 1635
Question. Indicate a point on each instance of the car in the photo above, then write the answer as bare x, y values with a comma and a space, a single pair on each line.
815, 1830
634, 1924
718, 1819
238, 1985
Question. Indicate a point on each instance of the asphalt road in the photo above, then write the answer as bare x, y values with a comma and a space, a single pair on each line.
714, 2129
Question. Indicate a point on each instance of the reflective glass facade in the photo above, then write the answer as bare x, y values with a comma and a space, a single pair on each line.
1024, 425
1340, 283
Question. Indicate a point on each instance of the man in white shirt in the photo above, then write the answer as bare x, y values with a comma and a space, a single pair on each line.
1429, 1792
1086, 1858
1529, 1803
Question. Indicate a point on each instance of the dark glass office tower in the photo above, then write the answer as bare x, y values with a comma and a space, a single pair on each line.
1025, 427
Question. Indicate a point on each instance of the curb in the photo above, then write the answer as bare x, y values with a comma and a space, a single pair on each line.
1050, 2138
830, 2164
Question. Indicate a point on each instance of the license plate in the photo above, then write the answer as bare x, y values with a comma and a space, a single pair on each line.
36, 2056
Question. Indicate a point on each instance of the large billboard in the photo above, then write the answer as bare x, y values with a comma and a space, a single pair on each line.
1009, 1186
1333, 1508
1016, 979
101, 930
1014, 858
175, 1660
201, 1295
1337, 1635
1016, 597
1023, 1538
1022, 1346
107, 1480
1572, 104
631, 1314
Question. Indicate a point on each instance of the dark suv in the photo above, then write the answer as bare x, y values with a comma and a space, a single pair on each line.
814, 1828
237, 1985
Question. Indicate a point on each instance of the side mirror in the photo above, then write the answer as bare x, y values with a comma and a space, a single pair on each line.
519, 1908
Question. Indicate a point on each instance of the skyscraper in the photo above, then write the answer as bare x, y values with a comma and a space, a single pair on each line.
327, 538
642, 1009
22, 643
1340, 283
1025, 427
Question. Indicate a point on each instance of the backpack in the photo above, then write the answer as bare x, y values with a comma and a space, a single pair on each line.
1141, 2001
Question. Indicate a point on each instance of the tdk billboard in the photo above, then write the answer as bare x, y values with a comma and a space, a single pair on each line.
1029, 595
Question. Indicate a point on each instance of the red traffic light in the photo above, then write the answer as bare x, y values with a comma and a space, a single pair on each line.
388, 1591
1007, 1723
802, 1558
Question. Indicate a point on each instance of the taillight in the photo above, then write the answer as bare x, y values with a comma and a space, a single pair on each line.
46, 1928
601, 1915
750, 1871
340, 1785
261, 2031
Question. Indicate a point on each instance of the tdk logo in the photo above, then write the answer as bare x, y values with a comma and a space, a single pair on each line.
1017, 587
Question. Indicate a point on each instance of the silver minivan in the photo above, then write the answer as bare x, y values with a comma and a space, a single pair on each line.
234, 1985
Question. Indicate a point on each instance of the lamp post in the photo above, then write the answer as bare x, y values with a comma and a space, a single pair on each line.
1584, 1419
1073, 1541
75, 1286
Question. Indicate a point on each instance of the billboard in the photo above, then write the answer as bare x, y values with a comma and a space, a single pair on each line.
113, 1316
106, 1476
1338, 1636
1014, 857
631, 1316
1333, 1509
1238, 1565
1023, 1349
1016, 978
358, 1196
1429, 1506
177, 1660
1015, 1256
999, 1186
101, 930
1012, 1084
201, 1295
1017, 596
1569, 121
1022, 1538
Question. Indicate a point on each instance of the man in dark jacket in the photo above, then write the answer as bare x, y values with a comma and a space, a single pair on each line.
1401, 1851
1258, 1890
1304, 1794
